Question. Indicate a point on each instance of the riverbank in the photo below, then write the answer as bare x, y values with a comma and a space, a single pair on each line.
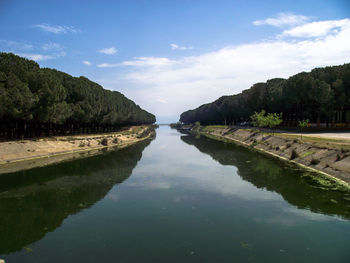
26, 154
326, 159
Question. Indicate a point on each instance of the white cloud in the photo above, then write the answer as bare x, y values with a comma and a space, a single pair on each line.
190, 81
318, 29
57, 29
51, 46
33, 52
283, 19
41, 57
88, 63
14, 45
161, 101
149, 61
108, 51
107, 65
36, 57
177, 47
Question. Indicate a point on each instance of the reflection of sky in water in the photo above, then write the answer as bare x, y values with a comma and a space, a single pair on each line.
181, 204
168, 162
171, 164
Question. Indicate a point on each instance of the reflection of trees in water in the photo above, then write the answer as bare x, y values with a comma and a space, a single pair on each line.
272, 175
36, 201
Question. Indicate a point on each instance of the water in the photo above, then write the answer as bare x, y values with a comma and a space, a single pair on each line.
174, 199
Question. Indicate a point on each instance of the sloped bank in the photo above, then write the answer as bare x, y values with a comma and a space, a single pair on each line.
26, 154
327, 162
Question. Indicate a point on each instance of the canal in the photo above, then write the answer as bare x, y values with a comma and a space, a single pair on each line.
176, 198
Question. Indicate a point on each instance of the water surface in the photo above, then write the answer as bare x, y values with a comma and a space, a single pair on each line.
175, 199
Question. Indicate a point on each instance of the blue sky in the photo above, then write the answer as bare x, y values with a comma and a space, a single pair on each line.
170, 56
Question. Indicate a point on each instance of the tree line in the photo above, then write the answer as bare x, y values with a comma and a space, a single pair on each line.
322, 96
38, 102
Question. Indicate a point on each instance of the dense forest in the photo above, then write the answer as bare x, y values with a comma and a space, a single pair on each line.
322, 96
38, 101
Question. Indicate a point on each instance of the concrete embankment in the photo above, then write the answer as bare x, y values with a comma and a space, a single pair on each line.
26, 154
323, 158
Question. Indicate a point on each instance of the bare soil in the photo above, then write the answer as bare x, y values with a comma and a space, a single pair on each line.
24, 154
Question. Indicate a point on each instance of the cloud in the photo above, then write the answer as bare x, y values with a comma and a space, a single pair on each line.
108, 51
161, 101
33, 52
149, 61
14, 45
88, 63
41, 57
57, 29
51, 46
318, 29
36, 57
107, 65
177, 47
283, 19
190, 81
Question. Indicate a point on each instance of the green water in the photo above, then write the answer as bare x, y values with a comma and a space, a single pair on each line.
173, 199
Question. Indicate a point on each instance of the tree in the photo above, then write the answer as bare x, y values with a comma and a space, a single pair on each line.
259, 119
302, 124
314, 95
273, 120
34, 99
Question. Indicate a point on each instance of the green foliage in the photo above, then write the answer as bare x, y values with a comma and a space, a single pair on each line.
271, 120
316, 96
47, 97
302, 124
259, 119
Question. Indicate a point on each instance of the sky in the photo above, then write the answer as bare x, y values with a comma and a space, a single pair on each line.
172, 56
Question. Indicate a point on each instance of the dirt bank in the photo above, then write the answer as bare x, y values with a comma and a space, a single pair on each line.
25, 154
326, 159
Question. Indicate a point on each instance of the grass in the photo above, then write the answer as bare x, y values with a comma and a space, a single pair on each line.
306, 154
213, 127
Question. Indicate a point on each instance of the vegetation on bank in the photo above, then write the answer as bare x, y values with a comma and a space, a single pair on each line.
38, 102
322, 95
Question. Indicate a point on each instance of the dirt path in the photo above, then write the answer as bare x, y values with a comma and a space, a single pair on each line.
329, 135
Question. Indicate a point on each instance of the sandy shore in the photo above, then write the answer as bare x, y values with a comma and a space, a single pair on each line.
25, 154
